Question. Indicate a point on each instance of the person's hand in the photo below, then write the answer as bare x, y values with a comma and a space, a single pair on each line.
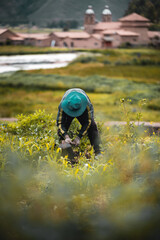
67, 139
76, 141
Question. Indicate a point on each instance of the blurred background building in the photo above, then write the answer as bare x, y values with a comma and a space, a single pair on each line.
131, 30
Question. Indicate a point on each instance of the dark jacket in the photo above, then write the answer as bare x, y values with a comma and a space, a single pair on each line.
64, 120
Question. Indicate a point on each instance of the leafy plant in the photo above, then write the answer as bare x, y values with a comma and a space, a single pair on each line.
43, 195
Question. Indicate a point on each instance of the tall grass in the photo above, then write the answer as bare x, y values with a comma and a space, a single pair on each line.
146, 74
24, 93
93, 83
140, 65
44, 196
20, 50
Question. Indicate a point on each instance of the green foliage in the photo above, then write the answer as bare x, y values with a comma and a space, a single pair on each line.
43, 195
117, 73
115, 63
19, 11
34, 124
148, 8
155, 27
84, 59
21, 50
94, 83
138, 60
73, 24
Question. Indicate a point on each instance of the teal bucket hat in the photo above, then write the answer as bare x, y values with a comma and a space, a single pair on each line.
74, 104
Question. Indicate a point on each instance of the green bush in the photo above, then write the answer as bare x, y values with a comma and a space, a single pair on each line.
84, 59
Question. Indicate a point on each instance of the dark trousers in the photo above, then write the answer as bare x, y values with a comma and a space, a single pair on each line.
94, 137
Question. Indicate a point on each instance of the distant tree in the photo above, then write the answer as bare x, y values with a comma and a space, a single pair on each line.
155, 27
65, 25
147, 8
53, 24
73, 24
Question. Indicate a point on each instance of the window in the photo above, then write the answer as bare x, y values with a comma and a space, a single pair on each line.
53, 43
65, 44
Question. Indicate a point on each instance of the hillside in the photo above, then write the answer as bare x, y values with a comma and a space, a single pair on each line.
15, 12
42, 12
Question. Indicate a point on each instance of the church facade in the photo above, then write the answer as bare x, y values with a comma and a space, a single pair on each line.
131, 30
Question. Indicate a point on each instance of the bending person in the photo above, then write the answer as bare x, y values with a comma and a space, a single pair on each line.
76, 104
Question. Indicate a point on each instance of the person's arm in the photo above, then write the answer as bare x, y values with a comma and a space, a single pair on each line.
62, 131
85, 120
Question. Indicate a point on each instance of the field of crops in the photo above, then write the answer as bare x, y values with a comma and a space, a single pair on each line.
116, 196
18, 50
44, 196
106, 75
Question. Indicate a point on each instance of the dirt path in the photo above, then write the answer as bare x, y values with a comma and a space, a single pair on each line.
151, 126
8, 119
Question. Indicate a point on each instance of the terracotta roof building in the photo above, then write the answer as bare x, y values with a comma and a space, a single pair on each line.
131, 29
76, 40
101, 26
9, 37
134, 17
36, 39
137, 23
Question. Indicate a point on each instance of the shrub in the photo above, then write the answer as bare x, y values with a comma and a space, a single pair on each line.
84, 59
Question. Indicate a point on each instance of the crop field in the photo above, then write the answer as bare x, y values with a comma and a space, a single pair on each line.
18, 50
106, 75
44, 195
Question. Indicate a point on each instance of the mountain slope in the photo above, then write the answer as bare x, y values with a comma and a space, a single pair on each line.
42, 12
16, 12
75, 9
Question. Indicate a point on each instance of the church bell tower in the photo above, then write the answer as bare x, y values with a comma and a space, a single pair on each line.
89, 20
106, 15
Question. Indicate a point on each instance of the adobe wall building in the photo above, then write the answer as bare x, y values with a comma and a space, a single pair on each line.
7, 36
36, 39
76, 40
131, 29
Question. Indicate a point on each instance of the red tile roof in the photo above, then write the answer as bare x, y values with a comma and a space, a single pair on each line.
109, 32
97, 36
107, 25
120, 32
134, 17
127, 33
72, 35
14, 38
2, 30
40, 36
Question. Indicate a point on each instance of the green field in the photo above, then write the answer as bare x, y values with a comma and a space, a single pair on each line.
43, 194
17, 50
106, 75
16, 98
116, 196
140, 65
